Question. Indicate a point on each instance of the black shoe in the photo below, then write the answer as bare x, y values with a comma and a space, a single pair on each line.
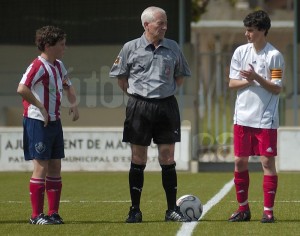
55, 217
175, 215
239, 216
41, 219
267, 218
134, 215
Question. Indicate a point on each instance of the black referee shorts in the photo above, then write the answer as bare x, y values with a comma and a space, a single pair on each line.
148, 119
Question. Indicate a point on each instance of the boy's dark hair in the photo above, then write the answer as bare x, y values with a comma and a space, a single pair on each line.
258, 19
48, 35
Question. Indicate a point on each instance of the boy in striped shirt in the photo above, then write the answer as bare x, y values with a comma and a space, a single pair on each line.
41, 88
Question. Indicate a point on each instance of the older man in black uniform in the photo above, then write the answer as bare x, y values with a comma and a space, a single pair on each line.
149, 69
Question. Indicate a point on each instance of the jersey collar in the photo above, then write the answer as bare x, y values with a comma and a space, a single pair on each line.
144, 42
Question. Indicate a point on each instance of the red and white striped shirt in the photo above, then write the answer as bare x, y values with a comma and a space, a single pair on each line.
45, 80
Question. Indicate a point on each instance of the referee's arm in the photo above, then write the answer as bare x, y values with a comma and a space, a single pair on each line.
123, 83
179, 81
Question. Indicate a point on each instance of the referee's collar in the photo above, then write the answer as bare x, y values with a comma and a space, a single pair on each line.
144, 42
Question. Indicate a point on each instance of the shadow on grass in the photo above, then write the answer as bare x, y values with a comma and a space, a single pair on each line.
14, 221
144, 222
249, 222
113, 222
81, 222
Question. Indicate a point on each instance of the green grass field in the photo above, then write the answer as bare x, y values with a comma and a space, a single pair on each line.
97, 204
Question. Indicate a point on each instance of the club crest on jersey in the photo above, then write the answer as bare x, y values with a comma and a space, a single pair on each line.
40, 147
118, 60
52, 90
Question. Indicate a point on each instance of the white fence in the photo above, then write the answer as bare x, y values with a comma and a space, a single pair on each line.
288, 149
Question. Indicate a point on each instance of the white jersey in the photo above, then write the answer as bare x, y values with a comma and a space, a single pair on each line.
46, 82
255, 106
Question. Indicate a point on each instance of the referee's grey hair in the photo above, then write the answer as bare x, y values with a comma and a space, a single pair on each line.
148, 14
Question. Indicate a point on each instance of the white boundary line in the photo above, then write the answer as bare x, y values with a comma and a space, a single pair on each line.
187, 228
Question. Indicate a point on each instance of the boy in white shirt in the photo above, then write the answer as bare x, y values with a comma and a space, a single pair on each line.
256, 72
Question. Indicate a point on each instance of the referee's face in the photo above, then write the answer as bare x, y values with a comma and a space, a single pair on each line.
158, 27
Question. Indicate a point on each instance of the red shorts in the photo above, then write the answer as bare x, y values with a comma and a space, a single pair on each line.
250, 141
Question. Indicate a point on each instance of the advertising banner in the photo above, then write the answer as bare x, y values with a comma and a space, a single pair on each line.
89, 149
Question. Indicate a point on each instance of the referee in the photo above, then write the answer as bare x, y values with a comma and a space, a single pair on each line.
149, 70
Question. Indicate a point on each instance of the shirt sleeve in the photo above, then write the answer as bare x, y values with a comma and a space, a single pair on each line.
65, 77
277, 67
182, 69
33, 74
120, 66
235, 66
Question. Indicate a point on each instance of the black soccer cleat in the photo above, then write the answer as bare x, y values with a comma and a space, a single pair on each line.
267, 218
134, 215
240, 216
55, 217
175, 215
41, 219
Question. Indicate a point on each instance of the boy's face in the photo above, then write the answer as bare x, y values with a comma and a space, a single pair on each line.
254, 35
57, 51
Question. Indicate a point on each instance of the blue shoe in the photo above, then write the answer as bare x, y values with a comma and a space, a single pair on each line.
134, 215
55, 217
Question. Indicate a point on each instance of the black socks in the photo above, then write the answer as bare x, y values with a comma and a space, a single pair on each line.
136, 182
169, 182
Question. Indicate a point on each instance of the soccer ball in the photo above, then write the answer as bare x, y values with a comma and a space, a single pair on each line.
190, 206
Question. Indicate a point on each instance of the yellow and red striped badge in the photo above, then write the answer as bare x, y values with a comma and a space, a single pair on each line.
276, 73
